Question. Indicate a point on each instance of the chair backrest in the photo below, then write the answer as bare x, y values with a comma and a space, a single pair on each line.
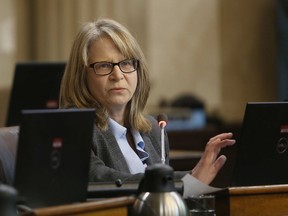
8, 147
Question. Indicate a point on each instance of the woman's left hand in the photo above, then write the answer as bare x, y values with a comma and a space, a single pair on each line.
210, 163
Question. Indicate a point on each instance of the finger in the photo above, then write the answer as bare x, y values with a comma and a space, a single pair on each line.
213, 149
219, 163
220, 142
222, 136
227, 142
211, 171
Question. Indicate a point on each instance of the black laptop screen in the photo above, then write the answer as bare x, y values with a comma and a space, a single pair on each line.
53, 156
262, 156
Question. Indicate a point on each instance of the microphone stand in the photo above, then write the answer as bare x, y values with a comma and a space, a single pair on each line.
162, 143
162, 122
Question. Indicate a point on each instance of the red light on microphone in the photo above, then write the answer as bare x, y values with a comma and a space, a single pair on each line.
162, 124
162, 120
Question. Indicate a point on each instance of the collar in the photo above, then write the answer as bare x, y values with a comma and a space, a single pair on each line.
117, 129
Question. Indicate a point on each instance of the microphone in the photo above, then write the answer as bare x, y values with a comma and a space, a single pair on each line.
162, 122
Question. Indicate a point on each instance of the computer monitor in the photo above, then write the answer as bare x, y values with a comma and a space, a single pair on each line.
36, 85
53, 156
262, 153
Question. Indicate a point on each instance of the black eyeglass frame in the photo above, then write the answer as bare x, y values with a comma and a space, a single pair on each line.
113, 65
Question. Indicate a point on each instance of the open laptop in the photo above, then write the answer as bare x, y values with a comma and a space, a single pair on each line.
36, 85
262, 154
53, 156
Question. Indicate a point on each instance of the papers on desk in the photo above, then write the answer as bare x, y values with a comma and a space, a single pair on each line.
193, 186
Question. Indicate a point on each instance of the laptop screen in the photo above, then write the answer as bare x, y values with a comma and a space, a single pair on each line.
262, 154
53, 156
36, 85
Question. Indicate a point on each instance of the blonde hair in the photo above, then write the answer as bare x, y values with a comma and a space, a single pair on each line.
74, 90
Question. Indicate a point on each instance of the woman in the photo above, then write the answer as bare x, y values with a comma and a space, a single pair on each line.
108, 71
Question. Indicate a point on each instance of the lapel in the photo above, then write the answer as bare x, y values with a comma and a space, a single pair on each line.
153, 151
113, 149
106, 140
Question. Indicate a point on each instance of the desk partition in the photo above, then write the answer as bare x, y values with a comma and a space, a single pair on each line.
270, 200
107, 207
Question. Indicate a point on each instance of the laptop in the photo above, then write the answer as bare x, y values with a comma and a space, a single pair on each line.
36, 85
53, 156
262, 151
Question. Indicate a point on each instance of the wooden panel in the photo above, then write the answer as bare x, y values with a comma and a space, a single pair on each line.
105, 212
112, 206
251, 201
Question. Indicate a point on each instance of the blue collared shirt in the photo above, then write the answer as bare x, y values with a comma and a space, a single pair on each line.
135, 162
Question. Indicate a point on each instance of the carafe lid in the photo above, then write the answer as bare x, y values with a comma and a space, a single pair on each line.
157, 178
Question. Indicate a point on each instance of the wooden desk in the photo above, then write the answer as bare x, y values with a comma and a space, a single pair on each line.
269, 200
107, 207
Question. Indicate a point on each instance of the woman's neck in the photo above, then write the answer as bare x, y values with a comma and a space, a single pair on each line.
118, 117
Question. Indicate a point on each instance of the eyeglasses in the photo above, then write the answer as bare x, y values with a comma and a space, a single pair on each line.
105, 68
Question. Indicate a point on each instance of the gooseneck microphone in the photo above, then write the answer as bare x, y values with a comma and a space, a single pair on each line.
162, 122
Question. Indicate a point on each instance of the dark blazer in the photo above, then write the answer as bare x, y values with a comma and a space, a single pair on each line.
107, 161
